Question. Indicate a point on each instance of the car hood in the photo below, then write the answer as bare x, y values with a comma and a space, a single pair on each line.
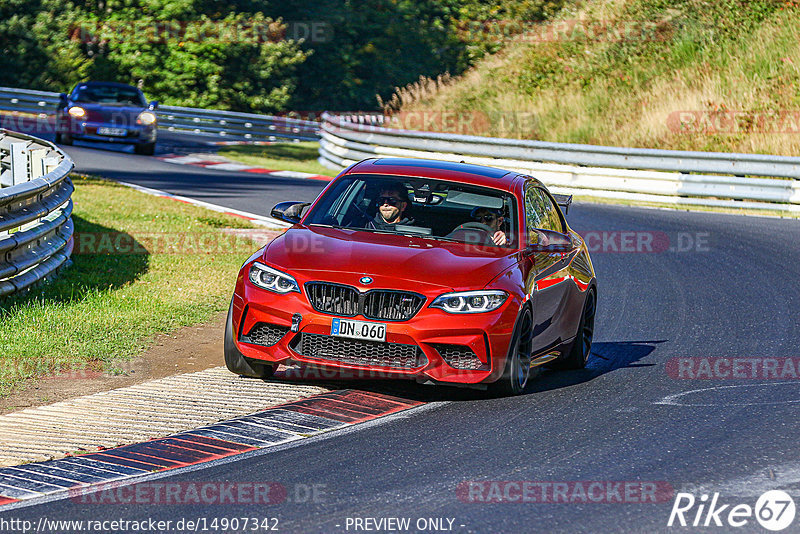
125, 115
343, 255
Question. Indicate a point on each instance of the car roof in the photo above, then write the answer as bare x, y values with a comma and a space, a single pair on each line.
106, 84
445, 170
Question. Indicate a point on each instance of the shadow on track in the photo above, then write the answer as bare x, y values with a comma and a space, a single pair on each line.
604, 358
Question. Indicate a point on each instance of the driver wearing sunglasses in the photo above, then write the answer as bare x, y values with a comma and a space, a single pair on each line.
392, 203
494, 220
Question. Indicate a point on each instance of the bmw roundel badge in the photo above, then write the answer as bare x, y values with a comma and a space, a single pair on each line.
365, 280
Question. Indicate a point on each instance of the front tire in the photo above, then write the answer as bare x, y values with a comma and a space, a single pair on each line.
145, 149
517, 371
235, 360
63, 138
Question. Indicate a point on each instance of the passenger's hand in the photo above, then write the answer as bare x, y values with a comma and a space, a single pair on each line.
499, 238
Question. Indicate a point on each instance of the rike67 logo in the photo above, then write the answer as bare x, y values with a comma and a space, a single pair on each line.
774, 510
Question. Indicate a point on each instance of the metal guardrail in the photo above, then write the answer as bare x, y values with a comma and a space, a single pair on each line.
35, 208
611, 172
225, 125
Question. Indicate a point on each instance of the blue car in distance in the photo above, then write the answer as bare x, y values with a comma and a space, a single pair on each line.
108, 112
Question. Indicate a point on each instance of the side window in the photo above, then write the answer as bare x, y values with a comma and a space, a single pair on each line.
550, 219
348, 202
533, 212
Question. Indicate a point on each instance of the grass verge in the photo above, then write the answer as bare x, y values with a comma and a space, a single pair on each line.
111, 303
300, 157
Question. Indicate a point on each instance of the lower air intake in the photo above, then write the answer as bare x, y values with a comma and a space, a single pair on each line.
460, 357
265, 334
357, 352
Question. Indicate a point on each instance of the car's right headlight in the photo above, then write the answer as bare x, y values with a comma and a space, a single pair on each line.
146, 117
77, 112
470, 301
272, 279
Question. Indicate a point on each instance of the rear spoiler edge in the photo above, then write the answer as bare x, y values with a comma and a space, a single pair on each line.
564, 201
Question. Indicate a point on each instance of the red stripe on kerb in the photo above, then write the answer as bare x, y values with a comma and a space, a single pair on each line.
125, 462
204, 163
140, 456
376, 400
331, 410
351, 406
213, 442
7, 500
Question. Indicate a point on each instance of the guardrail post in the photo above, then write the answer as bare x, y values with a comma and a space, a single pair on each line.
49, 164
36, 162
19, 164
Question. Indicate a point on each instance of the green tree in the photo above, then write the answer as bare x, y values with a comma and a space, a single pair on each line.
36, 49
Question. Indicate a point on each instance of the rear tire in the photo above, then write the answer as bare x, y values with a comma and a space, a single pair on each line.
235, 360
582, 346
517, 371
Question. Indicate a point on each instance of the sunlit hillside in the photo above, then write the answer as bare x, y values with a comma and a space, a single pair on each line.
682, 74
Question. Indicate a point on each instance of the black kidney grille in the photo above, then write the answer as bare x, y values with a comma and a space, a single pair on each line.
460, 357
357, 352
392, 305
265, 334
382, 304
333, 298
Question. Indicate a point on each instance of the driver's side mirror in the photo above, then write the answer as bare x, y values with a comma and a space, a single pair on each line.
289, 211
549, 241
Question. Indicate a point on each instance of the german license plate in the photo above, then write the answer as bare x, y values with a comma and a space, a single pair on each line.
358, 329
112, 131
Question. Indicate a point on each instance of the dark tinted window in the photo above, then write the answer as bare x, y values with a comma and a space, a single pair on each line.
109, 95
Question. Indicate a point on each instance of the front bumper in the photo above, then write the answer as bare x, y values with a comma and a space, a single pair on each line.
136, 134
438, 338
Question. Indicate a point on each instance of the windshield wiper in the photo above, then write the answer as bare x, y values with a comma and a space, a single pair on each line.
354, 228
438, 238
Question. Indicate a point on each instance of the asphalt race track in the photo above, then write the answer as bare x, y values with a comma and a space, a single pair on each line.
677, 292
249, 192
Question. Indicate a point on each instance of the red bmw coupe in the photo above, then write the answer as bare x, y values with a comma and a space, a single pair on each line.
443, 272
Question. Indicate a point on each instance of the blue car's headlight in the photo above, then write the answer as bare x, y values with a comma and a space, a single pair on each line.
272, 279
470, 301
146, 117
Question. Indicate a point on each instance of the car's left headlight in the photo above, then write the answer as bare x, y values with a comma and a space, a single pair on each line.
77, 112
146, 117
272, 279
470, 301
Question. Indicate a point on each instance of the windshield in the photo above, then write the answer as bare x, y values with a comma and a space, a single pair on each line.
110, 95
424, 207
